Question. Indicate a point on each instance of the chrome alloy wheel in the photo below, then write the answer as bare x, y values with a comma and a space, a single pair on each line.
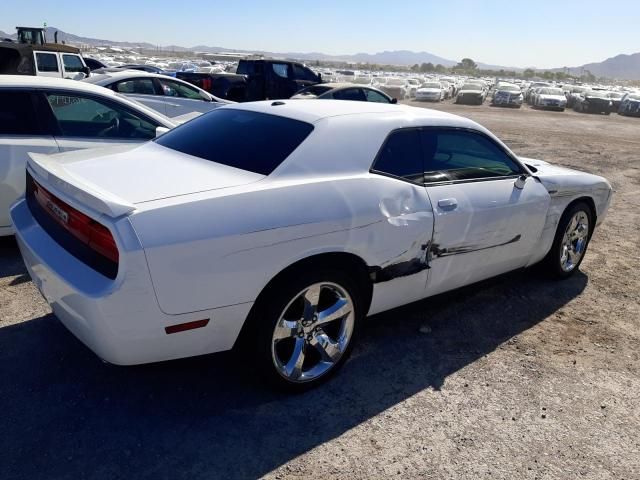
313, 332
574, 241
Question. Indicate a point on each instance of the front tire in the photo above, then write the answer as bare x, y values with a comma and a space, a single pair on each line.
571, 241
305, 327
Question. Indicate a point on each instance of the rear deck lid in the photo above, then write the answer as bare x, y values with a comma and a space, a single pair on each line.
129, 175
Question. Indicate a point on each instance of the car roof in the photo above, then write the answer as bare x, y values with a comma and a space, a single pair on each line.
347, 134
51, 82
312, 112
122, 74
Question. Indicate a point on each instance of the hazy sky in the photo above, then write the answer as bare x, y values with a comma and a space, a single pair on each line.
542, 33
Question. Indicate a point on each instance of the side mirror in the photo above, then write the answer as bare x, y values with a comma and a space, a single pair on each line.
161, 131
394, 100
520, 182
86, 71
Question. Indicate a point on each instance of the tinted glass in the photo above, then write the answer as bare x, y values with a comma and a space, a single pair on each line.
17, 116
280, 69
462, 155
349, 94
251, 141
141, 86
72, 63
88, 118
302, 73
314, 90
373, 96
176, 89
401, 155
47, 62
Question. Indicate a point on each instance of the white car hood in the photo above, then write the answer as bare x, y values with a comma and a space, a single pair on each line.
559, 180
140, 173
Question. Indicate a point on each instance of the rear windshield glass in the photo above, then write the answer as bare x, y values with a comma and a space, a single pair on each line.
252, 141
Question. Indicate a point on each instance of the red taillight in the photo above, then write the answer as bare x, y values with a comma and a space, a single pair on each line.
87, 230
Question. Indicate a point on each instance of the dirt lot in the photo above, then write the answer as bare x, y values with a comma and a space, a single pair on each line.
519, 378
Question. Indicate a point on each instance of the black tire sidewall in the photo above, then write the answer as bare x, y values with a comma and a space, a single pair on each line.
271, 306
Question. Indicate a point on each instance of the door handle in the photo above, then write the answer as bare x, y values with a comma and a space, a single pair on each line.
448, 203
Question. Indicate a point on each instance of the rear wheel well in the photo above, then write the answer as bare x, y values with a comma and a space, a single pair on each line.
345, 262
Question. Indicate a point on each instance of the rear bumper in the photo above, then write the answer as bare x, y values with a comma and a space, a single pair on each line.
120, 319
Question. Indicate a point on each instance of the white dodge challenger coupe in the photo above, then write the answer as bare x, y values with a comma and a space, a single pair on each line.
280, 225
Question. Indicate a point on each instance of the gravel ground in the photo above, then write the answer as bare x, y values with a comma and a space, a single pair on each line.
517, 377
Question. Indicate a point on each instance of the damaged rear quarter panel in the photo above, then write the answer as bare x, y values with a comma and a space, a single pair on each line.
223, 251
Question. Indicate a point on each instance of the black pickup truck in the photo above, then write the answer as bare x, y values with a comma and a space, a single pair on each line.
255, 80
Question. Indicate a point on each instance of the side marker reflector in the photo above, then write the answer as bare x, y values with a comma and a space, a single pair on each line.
181, 327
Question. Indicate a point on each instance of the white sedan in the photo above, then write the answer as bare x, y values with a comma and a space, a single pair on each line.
550, 97
49, 115
279, 226
430, 91
170, 96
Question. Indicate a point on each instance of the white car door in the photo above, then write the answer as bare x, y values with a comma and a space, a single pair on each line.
408, 220
47, 64
86, 121
182, 98
20, 133
487, 217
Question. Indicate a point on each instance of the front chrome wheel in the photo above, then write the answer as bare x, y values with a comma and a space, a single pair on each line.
574, 241
313, 332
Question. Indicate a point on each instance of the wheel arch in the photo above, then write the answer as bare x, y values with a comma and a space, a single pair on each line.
344, 261
590, 202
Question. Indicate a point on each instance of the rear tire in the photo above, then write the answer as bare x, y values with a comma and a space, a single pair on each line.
292, 343
570, 242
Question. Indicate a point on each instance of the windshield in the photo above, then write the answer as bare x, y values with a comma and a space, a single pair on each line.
635, 96
471, 86
578, 89
252, 141
615, 95
509, 88
430, 85
551, 91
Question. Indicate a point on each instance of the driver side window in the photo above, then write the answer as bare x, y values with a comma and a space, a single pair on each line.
175, 89
451, 155
84, 117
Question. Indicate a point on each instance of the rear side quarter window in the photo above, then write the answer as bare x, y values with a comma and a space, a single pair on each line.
401, 156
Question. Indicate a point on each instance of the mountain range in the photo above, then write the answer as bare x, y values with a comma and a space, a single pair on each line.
621, 66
